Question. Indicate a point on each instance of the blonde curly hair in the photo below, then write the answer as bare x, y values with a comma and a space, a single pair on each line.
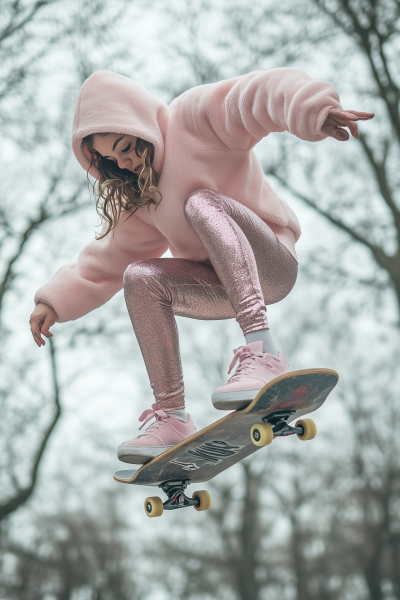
119, 190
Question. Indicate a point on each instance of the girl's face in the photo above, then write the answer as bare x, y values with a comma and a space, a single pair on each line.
120, 149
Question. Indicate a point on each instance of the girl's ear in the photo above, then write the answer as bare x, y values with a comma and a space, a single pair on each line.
95, 160
86, 152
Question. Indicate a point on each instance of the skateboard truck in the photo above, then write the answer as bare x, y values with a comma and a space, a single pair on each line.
275, 425
176, 495
175, 490
280, 427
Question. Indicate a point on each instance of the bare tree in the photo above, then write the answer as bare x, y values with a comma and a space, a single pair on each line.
19, 493
353, 187
40, 189
72, 553
361, 200
339, 534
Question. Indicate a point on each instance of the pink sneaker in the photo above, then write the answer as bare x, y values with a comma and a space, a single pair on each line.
255, 370
160, 436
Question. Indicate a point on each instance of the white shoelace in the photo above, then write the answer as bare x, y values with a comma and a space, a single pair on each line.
160, 416
248, 361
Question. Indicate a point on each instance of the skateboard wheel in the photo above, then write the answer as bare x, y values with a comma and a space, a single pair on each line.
310, 429
205, 500
261, 434
153, 507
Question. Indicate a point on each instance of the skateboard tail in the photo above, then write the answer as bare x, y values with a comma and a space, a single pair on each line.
126, 475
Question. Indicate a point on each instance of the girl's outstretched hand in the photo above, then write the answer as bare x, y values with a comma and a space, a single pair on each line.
338, 119
42, 318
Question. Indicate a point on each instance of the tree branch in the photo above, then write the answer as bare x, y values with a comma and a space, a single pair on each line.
12, 27
25, 493
389, 263
388, 90
380, 173
33, 224
337, 222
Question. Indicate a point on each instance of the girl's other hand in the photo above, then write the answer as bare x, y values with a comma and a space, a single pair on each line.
337, 119
42, 318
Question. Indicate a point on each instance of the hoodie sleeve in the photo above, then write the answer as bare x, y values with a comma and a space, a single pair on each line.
239, 112
97, 275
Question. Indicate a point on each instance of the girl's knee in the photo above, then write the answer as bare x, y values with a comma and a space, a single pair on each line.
146, 277
197, 201
147, 281
138, 272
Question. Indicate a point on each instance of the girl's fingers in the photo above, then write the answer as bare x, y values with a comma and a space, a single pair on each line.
336, 132
35, 329
353, 127
339, 119
348, 119
342, 115
47, 333
340, 134
38, 338
352, 115
362, 116
47, 323
348, 122
39, 327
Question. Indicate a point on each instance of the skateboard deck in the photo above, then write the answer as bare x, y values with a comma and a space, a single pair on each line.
229, 440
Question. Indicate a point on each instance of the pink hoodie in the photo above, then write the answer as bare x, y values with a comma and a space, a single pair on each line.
204, 139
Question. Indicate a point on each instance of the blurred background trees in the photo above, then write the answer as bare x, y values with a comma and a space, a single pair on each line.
311, 522
39, 192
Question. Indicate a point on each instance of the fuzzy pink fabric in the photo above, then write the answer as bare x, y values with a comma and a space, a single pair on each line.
203, 140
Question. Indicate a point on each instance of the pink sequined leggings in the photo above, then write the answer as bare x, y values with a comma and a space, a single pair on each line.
248, 268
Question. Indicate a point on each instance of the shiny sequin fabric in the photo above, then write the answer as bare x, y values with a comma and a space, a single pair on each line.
247, 269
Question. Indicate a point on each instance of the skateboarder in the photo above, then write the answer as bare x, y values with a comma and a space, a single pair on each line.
185, 177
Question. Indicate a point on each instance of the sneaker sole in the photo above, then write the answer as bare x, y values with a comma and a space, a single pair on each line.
233, 400
138, 455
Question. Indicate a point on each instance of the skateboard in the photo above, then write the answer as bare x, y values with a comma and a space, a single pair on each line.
229, 440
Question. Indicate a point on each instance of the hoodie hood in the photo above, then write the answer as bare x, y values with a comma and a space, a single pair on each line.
109, 102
